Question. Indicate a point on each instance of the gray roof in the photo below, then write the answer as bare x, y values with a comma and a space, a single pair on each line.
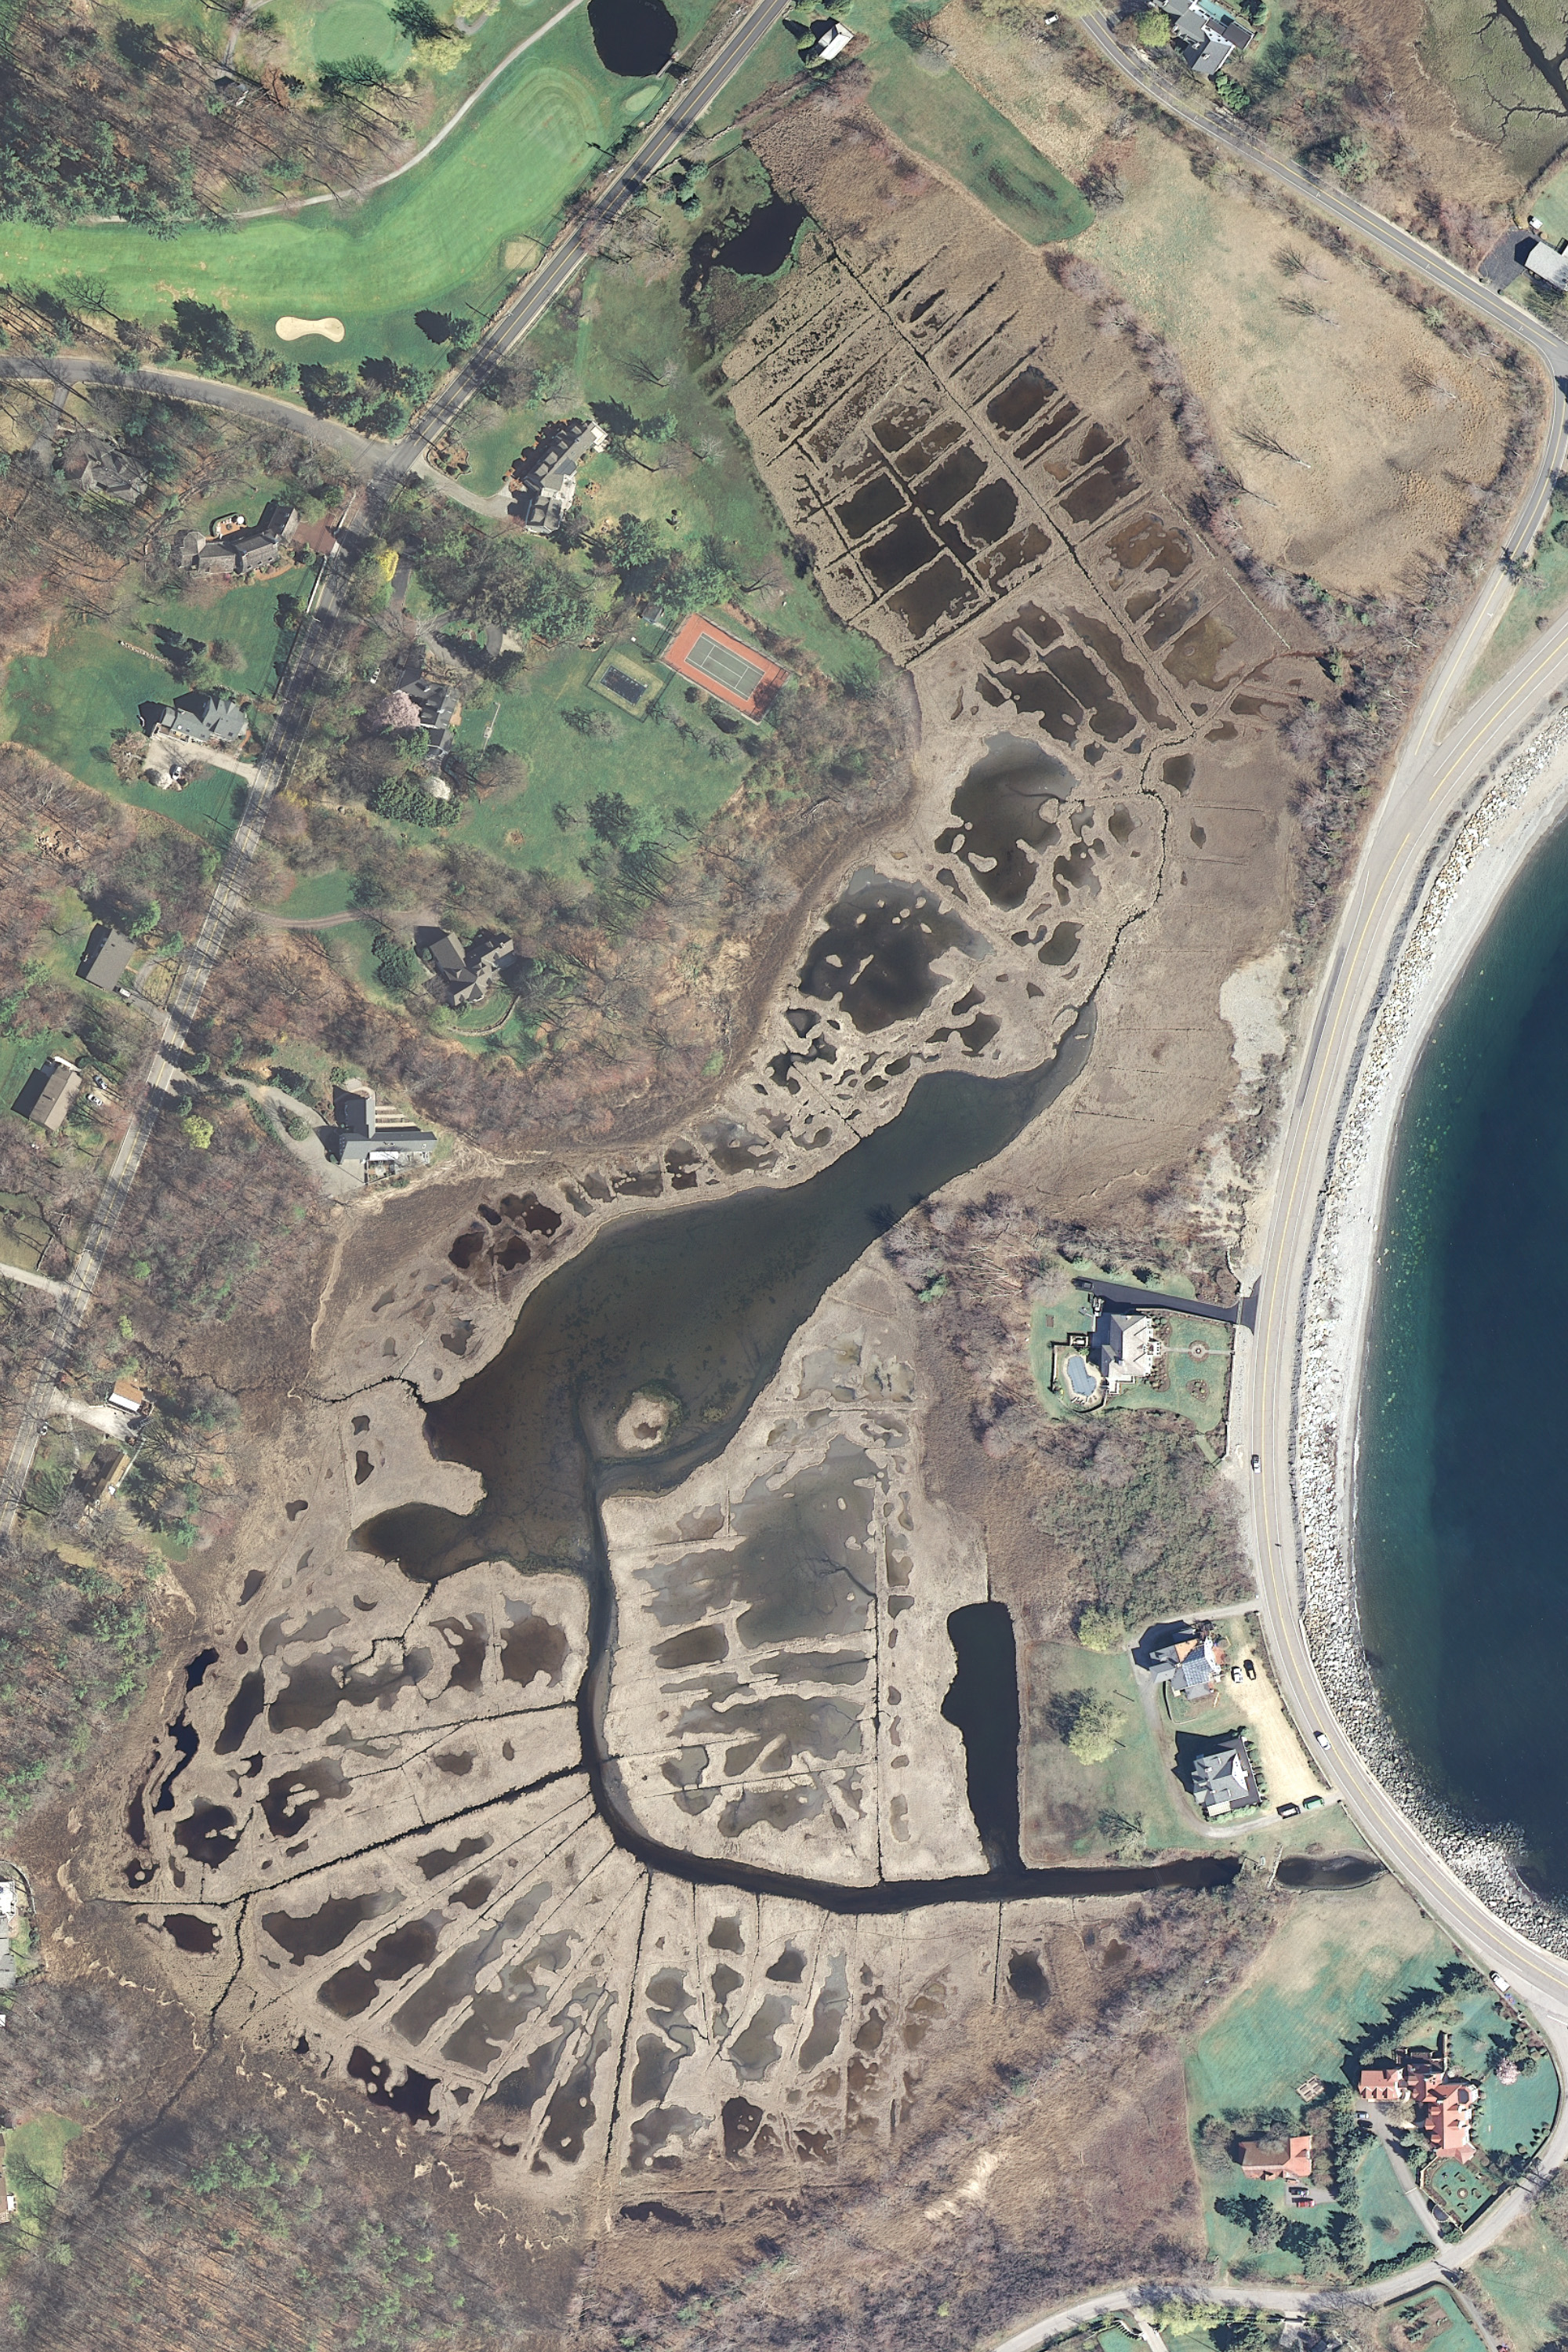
1224, 1776
207, 719
49, 1094
106, 961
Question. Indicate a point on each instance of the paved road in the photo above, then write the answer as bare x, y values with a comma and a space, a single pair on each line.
311, 665
1434, 771
1285, 2302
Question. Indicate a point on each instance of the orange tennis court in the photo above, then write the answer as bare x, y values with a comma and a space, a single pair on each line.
711, 659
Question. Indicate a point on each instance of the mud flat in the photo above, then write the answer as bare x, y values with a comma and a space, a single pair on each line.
1474, 872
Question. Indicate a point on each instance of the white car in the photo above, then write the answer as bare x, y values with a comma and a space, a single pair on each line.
1235, 1674
1321, 1738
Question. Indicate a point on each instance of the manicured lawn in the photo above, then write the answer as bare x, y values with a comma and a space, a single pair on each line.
1391, 2226
1526, 2274
661, 773
1331, 1969
948, 122
433, 239
1197, 1361
65, 703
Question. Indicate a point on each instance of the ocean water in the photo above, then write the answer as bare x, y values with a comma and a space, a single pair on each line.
1462, 1501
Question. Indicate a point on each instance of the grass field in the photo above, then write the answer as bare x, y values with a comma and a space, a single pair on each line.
1197, 1363
944, 119
68, 702
1391, 2226
319, 894
1526, 2275
433, 239
35, 2164
1063, 1799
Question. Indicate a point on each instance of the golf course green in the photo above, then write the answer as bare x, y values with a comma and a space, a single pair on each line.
433, 239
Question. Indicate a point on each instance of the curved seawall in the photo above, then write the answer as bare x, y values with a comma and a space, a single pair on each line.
1352, 1327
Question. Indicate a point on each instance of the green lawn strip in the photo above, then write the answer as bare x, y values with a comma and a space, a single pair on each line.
1550, 205
1186, 1374
433, 239
1526, 2275
348, 947
943, 118
1540, 596
1136, 1780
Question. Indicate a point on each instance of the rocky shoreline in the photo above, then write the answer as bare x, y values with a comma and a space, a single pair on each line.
1523, 799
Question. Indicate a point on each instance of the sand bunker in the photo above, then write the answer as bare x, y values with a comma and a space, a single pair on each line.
522, 253
289, 330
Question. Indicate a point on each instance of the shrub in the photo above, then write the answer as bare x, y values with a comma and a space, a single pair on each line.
1154, 29
1102, 1630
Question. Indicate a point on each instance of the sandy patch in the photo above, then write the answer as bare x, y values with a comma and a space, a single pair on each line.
520, 253
291, 330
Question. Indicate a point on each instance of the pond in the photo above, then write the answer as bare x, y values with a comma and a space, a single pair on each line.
634, 38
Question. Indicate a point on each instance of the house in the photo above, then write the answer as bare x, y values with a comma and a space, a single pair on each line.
1291, 2160
1545, 263
829, 44
1190, 1664
107, 959
1224, 1780
548, 477
1125, 1348
127, 1397
1444, 2106
1448, 2112
103, 466
49, 1092
368, 1137
234, 550
451, 965
1205, 35
438, 710
205, 719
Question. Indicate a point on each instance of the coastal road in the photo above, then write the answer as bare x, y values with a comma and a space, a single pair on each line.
1433, 773
310, 666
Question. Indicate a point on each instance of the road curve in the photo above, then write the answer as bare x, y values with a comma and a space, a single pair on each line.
1430, 776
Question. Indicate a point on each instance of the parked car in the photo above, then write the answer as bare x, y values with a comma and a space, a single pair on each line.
1249, 1670
1311, 1804
1287, 1812
1235, 1674
1501, 1983
1321, 1738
